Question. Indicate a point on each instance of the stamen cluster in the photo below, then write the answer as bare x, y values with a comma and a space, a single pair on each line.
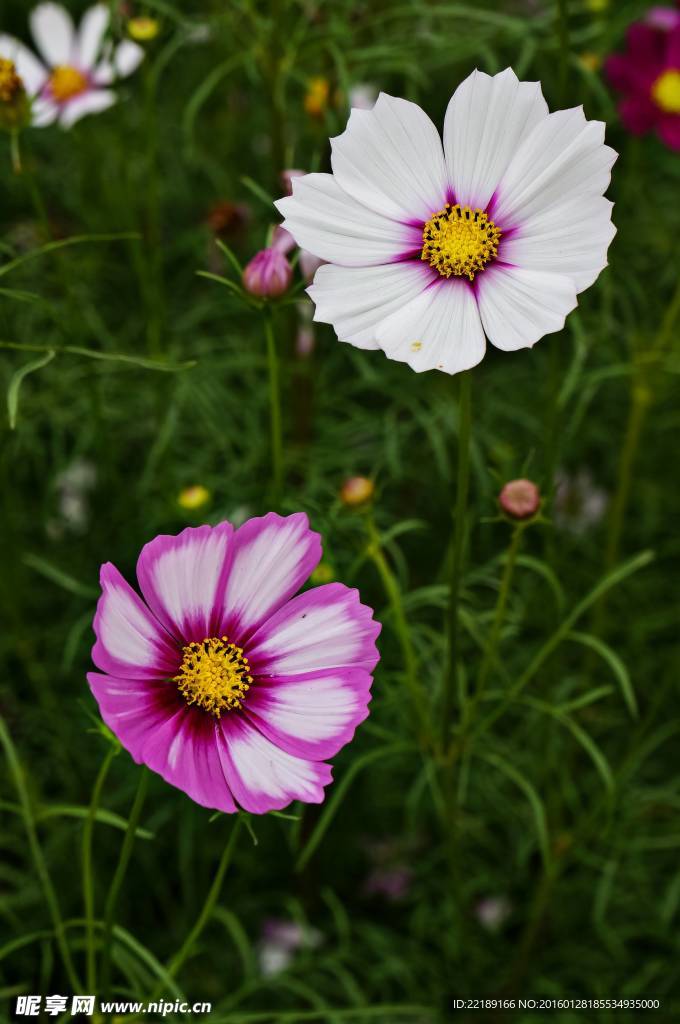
215, 675
459, 241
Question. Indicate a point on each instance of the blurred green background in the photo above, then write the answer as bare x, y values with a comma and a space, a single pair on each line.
560, 875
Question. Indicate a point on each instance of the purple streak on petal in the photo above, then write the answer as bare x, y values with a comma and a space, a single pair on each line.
311, 715
131, 643
183, 578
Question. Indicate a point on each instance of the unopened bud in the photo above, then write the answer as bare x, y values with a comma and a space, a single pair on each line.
192, 498
268, 274
143, 29
357, 490
520, 499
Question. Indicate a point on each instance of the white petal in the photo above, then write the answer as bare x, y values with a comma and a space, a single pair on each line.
390, 159
519, 306
564, 157
356, 299
570, 238
440, 329
127, 57
486, 120
92, 102
91, 34
54, 34
44, 112
30, 69
329, 223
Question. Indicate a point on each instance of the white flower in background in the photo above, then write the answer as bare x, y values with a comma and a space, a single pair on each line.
579, 504
280, 941
492, 912
72, 78
428, 249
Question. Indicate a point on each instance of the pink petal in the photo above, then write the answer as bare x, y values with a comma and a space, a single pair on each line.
183, 577
326, 627
312, 715
669, 131
272, 557
130, 641
638, 114
157, 728
646, 45
261, 776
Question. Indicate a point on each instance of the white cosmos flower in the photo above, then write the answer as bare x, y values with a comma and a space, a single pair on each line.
429, 249
71, 79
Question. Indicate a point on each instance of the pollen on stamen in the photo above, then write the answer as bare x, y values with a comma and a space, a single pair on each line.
459, 241
215, 675
66, 82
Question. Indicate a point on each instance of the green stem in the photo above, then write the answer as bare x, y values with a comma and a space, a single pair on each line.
275, 411
88, 881
17, 773
119, 875
640, 400
563, 43
208, 907
460, 522
393, 592
501, 604
15, 151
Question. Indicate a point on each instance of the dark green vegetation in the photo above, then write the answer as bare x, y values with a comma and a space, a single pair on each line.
563, 795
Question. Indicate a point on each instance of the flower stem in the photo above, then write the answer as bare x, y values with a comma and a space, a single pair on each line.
393, 592
17, 773
501, 605
275, 411
460, 522
209, 905
119, 875
15, 151
88, 881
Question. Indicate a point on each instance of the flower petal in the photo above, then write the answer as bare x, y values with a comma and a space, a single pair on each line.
519, 306
569, 238
330, 224
669, 130
563, 156
54, 34
311, 715
326, 627
126, 58
486, 120
91, 34
440, 329
183, 578
261, 776
157, 728
390, 159
130, 642
43, 112
272, 557
92, 102
357, 299
29, 68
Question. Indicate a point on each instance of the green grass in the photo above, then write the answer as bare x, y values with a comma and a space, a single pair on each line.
564, 795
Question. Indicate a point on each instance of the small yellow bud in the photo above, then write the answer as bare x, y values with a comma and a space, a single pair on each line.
590, 61
597, 6
143, 30
323, 573
316, 98
193, 498
357, 490
14, 106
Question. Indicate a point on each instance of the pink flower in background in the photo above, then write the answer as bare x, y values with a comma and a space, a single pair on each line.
222, 681
281, 940
285, 243
73, 79
268, 274
648, 77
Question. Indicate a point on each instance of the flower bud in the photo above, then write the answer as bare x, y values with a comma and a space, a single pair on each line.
143, 29
268, 274
357, 490
316, 97
287, 179
15, 109
520, 499
193, 498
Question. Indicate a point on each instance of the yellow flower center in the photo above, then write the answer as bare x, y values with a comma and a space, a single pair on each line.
215, 675
66, 82
10, 82
666, 91
459, 241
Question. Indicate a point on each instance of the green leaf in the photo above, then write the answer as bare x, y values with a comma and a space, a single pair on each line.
520, 780
17, 380
63, 244
615, 663
58, 576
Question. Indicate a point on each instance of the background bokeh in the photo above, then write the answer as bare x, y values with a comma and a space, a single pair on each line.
552, 867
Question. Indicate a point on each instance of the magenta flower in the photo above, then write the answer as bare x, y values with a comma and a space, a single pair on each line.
268, 274
648, 77
222, 681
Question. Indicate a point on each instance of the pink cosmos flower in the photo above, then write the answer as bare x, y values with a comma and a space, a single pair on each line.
268, 274
222, 681
648, 77
71, 79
